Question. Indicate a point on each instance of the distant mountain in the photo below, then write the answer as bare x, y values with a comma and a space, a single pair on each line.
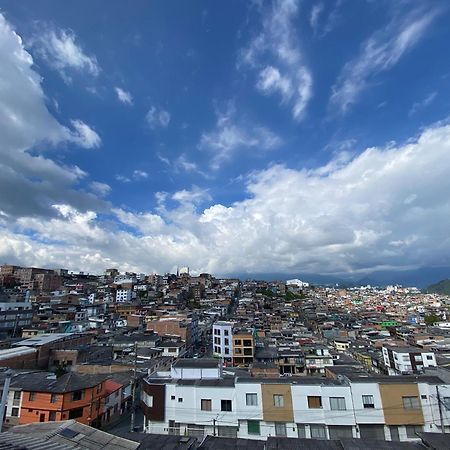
419, 278
443, 288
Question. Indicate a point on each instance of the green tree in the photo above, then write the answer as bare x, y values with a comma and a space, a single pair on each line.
431, 319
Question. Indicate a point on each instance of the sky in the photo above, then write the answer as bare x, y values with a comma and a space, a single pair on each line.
234, 137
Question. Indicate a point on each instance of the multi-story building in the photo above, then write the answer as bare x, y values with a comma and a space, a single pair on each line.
243, 347
123, 295
407, 360
223, 340
195, 398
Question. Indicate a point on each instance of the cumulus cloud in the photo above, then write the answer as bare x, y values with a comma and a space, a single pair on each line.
386, 208
61, 51
31, 183
157, 118
287, 73
228, 137
382, 51
123, 96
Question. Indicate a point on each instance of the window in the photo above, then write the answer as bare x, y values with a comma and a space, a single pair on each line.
318, 431
368, 401
314, 401
227, 351
180, 399
77, 395
253, 427
412, 430
238, 351
216, 331
52, 416
248, 351
247, 343
227, 341
17, 395
429, 357
15, 412
446, 402
205, 404
172, 397
225, 405
32, 396
75, 413
251, 399
337, 404
225, 332
280, 429
53, 398
278, 400
423, 397
237, 342
411, 402
301, 430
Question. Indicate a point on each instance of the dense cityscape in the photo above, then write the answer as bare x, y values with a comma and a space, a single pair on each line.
224, 225
195, 356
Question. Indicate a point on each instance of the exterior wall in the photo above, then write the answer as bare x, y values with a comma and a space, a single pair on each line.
169, 328
273, 413
394, 412
367, 415
13, 404
38, 410
222, 331
324, 415
243, 354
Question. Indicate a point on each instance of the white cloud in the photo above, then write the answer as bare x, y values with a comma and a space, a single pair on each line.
195, 195
84, 135
124, 96
31, 182
139, 175
417, 106
287, 73
101, 189
228, 137
379, 53
386, 208
61, 51
316, 11
157, 118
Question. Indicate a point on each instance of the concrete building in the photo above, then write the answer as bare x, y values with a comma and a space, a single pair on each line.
223, 340
407, 360
197, 399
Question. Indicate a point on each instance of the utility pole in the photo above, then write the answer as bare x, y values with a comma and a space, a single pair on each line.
5, 393
133, 389
440, 409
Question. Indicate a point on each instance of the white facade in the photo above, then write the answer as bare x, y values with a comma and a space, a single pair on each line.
123, 295
405, 362
223, 340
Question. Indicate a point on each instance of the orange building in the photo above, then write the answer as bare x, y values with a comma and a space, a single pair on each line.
72, 396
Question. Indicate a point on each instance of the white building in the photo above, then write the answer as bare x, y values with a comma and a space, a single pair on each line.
407, 360
196, 399
123, 295
223, 340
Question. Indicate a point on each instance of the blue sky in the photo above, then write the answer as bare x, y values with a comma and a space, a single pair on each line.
232, 136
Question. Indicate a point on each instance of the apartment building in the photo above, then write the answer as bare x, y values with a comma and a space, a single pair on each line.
407, 360
123, 295
223, 340
243, 347
196, 398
